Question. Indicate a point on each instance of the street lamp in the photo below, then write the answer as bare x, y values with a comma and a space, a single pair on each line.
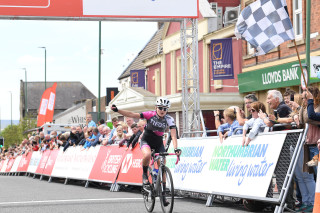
26, 92
45, 67
11, 106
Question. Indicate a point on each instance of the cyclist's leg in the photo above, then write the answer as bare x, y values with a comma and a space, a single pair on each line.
146, 156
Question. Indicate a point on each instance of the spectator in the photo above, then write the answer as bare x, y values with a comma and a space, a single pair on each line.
134, 137
288, 96
116, 138
96, 136
41, 135
73, 138
104, 137
231, 124
85, 129
281, 110
54, 134
312, 105
80, 135
115, 122
62, 141
255, 122
129, 122
90, 122
47, 138
101, 122
90, 138
248, 100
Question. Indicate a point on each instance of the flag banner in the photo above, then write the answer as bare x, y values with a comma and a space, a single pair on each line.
46, 109
222, 59
265, 24
137, 78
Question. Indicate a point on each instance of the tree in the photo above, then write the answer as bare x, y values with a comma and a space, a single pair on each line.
12, 135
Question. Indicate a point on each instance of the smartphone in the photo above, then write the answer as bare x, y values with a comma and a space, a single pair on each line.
275, 114
292, 97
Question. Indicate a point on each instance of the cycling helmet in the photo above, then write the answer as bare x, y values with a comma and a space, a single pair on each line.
163, 102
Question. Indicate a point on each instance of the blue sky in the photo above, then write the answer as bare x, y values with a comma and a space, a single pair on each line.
72, 54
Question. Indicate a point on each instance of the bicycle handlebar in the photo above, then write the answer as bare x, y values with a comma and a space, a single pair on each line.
166, 153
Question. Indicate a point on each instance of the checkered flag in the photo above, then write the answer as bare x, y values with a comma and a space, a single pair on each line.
265, 24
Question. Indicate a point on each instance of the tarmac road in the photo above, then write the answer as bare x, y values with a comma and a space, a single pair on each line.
25, 194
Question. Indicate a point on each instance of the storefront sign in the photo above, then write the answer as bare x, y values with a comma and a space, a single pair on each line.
138, 78
271, 78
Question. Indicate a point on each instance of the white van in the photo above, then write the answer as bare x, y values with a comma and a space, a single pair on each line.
59, 128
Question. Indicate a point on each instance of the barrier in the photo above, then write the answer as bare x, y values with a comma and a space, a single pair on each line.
131, 168
206, 166
316, 206
24, 162
107, 165
16, 163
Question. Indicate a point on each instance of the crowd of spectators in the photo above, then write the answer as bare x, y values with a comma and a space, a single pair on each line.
285, 109
123, 134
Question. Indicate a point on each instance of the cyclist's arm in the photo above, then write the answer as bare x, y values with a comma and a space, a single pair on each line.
129, 114
174, 138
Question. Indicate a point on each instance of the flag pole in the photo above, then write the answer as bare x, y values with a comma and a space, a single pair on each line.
304, 78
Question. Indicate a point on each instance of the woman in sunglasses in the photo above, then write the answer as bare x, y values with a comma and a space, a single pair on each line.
157, 123
255, 122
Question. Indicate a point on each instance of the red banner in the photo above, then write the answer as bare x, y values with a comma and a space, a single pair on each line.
24, 162
131, 168
107, 165
50, 162
43, 162
1, 164
9, 165
46, 108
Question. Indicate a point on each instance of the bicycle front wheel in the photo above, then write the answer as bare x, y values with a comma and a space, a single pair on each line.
166, 190
148, 193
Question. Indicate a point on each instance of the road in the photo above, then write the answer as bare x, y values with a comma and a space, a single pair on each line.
25, 194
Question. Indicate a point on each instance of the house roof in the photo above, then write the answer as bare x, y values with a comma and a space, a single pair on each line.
67, 93
151, 49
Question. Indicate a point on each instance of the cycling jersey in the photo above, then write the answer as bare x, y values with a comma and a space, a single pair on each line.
155, 129
156, 124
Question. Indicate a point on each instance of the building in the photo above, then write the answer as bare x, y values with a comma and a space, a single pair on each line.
67, 95
161, 61
276, 69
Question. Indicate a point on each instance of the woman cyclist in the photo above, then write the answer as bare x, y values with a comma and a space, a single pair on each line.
157, 122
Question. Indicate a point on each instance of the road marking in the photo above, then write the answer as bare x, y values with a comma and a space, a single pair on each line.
65, 201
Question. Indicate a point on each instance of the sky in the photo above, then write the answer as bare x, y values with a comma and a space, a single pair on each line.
72, 54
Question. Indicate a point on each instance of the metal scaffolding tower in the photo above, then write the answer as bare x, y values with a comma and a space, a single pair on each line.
191, 114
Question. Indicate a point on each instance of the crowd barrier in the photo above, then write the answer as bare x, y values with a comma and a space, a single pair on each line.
206, 165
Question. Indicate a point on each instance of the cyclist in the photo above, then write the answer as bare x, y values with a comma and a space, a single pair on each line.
157, 122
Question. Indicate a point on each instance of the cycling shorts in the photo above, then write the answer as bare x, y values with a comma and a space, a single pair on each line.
153, 141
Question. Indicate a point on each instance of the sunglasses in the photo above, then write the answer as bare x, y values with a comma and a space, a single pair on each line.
163, 109
252, 110
89, 131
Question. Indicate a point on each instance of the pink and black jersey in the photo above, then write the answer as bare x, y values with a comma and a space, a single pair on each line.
156, 124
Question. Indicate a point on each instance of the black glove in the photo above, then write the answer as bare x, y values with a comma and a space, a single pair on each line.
114, 108
177, 151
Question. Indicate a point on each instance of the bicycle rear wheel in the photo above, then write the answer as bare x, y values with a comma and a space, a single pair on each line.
148, 193
167, 193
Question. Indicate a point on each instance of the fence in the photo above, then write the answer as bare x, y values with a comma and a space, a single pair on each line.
206, 166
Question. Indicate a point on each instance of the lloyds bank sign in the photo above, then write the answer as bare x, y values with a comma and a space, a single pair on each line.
270, 78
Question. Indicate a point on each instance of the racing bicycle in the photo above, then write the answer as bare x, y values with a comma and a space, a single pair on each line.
156, 181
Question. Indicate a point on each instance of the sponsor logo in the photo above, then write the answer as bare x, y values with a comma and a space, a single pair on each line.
126, 164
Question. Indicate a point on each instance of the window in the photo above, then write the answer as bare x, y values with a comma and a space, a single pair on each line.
297, 18
250, 49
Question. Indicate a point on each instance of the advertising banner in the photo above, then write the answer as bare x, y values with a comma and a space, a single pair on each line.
63, 162
97, 8
43, 161
82, 163
4, 166
24, 163
34, 162
16, 164
50, 162
1, 164
222, 59
208, 166
9, 165
131, 167
46, 108
107, 164
138, 78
